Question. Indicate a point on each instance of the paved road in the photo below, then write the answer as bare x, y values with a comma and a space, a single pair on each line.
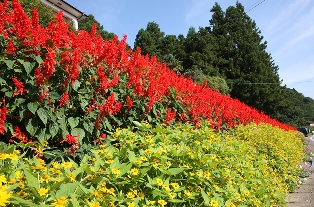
304, 197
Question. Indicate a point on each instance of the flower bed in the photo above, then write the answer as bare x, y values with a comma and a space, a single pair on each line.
163, 166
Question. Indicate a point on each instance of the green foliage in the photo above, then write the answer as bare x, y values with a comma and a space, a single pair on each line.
243, 60
88, 23
178, 166
218, 83
46, 14
150, 40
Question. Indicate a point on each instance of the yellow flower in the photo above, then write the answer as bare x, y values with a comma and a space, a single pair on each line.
67, 164
18, 175
42, 191
162, 202
188, 193
39, 167
109, 161
13, 157
4, 197
151, 202
130, 195
94, 204
22, 194
175, 185
73, 178
148, 151
60, 203
131, 204
115, 171
46, 178
159, 181
172, 195
2, 179
214, 203
12, 181
135, 171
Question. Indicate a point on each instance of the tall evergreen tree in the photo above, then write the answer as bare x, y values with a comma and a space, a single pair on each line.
200, 54
243, 61
150, 40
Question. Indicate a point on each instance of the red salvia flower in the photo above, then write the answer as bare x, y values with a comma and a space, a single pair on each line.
129, 102
11, 48
45, 71
70, 139
20, 135
19, 87
170, 115
64, 98
3, 117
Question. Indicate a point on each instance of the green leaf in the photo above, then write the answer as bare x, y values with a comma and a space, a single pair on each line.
76, 85
78, 132
67, 189
53, 129
138, 124
43, 136
205, 196
108, 125
38, 59
31, 179
132, 157
32, 107
175, 171
73, 122
28, 67
9, 63
32, 126
74, 201
2, 81
54, 95
88, 126
42, 115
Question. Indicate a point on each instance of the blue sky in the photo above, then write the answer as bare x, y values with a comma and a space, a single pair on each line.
287, 26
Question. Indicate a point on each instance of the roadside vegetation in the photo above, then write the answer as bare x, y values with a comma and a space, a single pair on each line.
90, 122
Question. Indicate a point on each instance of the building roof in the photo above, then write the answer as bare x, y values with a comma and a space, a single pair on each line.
68, 8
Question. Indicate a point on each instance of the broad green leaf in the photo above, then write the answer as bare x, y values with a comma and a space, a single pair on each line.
23, 113
108, 125
73, 122
137, 123
74, 201
28, 67
42, 115
2, 80
67, 189
53, 129
39, 59
132, 157
31, 179
176, 201
76, 85
205, 196
54, 95
88, 126
43, 135
175, 171
9, 63
32, 126
78, 132
32, 107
